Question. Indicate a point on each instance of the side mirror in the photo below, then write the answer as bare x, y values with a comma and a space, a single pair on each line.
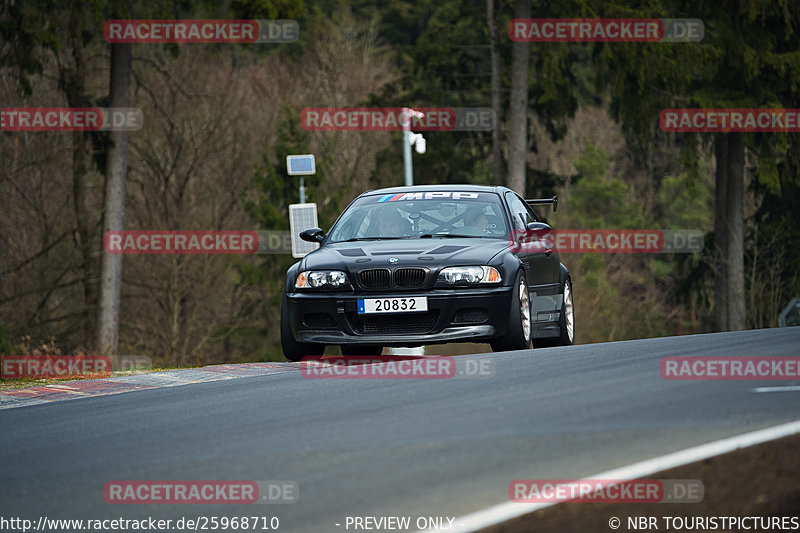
312, 235
538, 226
541, 234
537, 229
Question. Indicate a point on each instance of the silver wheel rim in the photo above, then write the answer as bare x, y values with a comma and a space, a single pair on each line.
524, 310
568, 312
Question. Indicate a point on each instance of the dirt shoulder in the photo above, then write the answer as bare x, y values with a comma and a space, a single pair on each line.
758, 481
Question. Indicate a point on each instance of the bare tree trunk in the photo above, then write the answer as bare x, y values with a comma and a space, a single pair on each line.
72, 82
721, 234
497, 155
518, 121
84, 232
114, 209
735, 230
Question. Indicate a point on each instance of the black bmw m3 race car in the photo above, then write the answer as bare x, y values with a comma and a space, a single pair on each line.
409, 266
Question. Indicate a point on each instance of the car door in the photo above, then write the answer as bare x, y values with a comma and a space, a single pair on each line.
540, 263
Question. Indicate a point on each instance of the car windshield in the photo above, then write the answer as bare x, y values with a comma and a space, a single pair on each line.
415, 215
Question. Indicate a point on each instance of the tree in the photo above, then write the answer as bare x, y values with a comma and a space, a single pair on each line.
445, 52
497, 103
31, 31
518, 111
114, 209
721, 233
747, 59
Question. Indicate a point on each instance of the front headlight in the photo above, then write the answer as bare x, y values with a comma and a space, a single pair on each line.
322, 279
469, 275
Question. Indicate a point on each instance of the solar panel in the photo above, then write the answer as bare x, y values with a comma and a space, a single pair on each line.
300, 165
302, 217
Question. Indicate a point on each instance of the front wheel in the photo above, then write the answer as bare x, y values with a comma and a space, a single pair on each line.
518, 334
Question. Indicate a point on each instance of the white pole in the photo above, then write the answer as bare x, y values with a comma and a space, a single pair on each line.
302, 191
407, 164
409, 180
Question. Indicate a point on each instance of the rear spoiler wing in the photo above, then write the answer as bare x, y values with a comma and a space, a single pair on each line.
544, 201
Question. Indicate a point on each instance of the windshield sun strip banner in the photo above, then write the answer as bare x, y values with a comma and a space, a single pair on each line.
435, 195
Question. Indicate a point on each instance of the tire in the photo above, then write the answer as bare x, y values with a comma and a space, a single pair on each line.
293, 350
520, 328
361, 349
566, 321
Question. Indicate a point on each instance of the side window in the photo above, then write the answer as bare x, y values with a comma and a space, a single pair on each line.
521, 215
531, 215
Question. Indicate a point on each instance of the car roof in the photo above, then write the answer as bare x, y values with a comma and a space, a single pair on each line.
445, 187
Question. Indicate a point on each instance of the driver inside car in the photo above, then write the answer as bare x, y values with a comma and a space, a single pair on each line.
475, 221
392, 223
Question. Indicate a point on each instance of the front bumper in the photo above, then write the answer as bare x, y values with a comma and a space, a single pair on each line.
468, 314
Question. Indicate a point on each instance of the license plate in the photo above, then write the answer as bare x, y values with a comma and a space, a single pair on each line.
370, 306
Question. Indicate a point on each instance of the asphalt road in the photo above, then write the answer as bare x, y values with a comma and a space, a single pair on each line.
413, 448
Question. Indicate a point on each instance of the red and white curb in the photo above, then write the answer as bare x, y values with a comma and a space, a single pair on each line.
70, 390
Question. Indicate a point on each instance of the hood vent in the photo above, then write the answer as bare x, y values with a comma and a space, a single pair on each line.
352, 252
446, 249
399, 252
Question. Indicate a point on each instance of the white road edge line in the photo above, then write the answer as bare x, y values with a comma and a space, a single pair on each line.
506, 511
787, 388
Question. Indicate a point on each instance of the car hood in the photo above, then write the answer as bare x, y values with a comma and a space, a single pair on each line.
430, 253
